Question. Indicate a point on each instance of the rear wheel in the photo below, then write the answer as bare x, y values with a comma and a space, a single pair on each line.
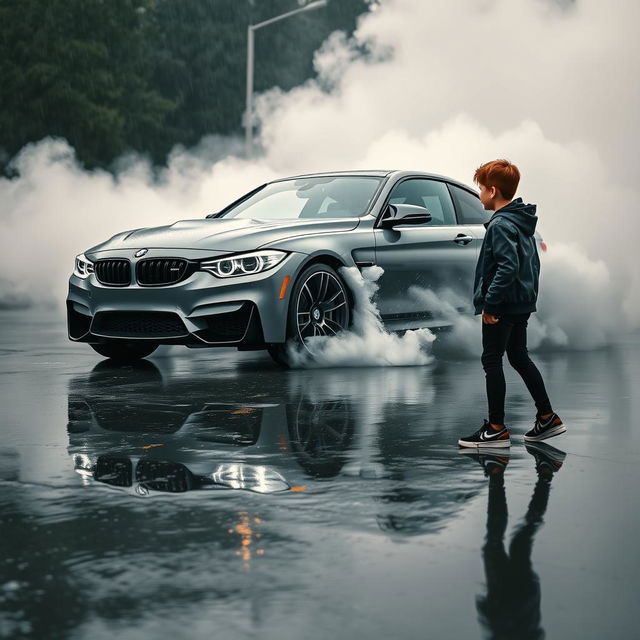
123, 351
319, 306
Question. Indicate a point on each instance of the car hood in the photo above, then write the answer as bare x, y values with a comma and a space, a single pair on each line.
218, 234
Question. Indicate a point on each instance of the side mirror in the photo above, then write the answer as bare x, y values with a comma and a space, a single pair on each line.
398, 214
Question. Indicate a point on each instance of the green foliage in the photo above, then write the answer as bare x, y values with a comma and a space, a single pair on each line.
112, 76
78, 69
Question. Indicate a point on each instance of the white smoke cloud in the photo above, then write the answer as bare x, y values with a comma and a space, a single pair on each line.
56, 210
436, 86
367, 343
577, 308
463, 337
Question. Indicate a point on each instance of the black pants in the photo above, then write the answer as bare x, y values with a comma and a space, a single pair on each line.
510, 335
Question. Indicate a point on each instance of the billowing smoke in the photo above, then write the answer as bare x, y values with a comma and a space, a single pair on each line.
55, 210
575, 307
367, 343
438, 86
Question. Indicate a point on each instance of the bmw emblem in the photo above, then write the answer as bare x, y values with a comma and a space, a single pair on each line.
139, 253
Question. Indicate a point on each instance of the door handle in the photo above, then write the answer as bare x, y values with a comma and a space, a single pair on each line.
462, 238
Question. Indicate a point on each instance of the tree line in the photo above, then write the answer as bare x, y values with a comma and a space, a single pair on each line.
113, 76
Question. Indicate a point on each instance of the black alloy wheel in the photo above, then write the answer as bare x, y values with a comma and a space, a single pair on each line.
320, 305
320, 434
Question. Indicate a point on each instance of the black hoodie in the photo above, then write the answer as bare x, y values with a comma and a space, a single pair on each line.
508, 269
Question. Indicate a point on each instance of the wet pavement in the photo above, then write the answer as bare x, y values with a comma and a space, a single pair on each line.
207, 493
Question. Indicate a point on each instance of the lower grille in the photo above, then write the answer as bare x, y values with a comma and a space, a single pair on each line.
113, 272
156, 272
138, 324
161, 475
115, 471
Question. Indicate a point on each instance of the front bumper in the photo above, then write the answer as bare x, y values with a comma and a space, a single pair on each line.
203, 310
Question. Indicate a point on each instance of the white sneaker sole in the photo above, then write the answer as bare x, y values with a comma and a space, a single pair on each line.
498, 444
556, 431
480, 450
547, 450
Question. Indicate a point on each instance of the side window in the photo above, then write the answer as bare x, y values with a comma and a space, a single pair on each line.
431, 194
470, 209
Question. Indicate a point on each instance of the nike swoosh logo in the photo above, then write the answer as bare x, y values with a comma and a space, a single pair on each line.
485, 436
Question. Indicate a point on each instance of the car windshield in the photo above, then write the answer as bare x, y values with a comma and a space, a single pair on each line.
317, 198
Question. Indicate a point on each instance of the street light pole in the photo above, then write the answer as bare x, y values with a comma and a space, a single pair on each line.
251, 29
248, 123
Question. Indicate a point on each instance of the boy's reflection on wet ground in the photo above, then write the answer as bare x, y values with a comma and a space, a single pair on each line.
511, 606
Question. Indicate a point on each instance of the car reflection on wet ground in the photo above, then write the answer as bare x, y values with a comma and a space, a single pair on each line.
212, 494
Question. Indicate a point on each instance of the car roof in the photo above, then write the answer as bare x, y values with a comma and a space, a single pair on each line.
381, 173
376, 173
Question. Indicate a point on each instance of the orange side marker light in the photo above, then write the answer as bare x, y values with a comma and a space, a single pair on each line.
283, 288
543, 245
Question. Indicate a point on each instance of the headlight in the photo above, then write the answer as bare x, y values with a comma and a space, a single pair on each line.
244, 264
84, 464
256, 478
83, 267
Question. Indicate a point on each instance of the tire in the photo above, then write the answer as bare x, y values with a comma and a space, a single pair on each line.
123, 351
320, 434
320, 295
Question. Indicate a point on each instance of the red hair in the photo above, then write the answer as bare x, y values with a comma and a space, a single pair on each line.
501, 174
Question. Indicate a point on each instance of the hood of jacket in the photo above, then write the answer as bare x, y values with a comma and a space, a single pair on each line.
522, 215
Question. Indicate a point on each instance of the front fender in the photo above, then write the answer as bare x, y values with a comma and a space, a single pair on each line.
347, 247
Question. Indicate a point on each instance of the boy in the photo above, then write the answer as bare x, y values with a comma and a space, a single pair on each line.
505, 292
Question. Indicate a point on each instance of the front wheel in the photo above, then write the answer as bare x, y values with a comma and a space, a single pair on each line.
123, 351
319, 306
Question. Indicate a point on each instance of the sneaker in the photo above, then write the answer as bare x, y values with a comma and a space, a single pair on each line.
543, 429
492, 463
548, 459
486, 436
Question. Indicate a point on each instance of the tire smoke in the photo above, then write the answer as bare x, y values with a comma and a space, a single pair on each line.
368, 343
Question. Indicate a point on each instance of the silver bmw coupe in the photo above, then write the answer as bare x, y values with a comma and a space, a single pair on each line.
265, 270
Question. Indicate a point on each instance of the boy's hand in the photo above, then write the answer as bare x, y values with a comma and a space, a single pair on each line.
487, 318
